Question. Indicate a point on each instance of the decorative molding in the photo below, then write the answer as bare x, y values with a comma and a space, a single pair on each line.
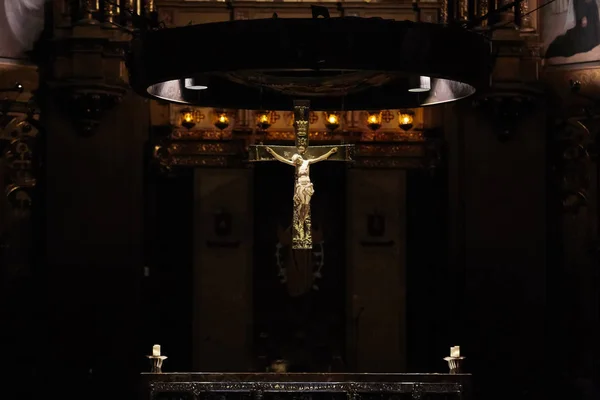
177, 147
243, 122
390, 163
17, 145
86, 106
532, 50
505, 111
18, 139
416, 389
88, 75
572, 163
568, 102
574, 147
221, 236
376, 231
203, 145
181, 12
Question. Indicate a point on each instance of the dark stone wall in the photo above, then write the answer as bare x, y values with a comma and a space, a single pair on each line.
498, 238
93, 207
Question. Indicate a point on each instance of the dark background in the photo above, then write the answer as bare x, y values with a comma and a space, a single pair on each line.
315, 321
319, 315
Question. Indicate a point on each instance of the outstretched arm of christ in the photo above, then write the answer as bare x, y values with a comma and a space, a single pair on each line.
278, 157
324, 156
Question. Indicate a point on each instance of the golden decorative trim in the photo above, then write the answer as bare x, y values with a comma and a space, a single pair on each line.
200, 148
19, 134
212, 134
399, 163
409, 136
463, 10
388, 150
443, 11
558, 80
384, 136
192, 161
210, 148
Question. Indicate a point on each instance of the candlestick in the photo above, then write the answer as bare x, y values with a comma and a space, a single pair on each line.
157, 362
455, 364
455, 360
157, 359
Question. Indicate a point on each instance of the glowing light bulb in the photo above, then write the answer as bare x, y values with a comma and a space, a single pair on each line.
405, 120
332, 119
188, 117
222, 120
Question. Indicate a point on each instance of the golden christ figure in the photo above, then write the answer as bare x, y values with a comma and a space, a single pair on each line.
301, 155
303, 191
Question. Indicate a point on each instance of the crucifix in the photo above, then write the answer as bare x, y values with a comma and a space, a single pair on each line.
301, 156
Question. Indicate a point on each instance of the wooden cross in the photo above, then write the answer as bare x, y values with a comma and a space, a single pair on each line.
301, 156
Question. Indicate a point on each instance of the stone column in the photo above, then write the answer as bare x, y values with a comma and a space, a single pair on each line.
223, 261
376, 278
498, 199
93, 202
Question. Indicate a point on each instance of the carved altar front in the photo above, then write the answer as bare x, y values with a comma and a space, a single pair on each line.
256, 386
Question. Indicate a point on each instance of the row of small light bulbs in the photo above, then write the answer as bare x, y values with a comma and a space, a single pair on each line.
332, 119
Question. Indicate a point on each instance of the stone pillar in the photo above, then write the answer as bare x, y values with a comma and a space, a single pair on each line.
95, 130
577, 289
498, 178
94, 204
376, 278
223, 261
574, 286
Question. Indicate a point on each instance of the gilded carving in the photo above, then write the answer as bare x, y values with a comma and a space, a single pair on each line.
88, 66
192, 161
558, 81
444, 12
387, 116
18, 136
386, 162
246, 135
383, 136
389, 150
573, 164
200, 148
505, 111
246, 383
185, 145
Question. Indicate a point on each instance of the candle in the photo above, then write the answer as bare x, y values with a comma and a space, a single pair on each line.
455, 351
156, 350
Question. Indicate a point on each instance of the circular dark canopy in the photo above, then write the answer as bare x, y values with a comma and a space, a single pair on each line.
337, 63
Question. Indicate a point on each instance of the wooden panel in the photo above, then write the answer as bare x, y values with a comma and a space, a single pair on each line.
376, 243
222, 269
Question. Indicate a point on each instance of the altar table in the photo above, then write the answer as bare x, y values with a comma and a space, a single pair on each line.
259, 386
